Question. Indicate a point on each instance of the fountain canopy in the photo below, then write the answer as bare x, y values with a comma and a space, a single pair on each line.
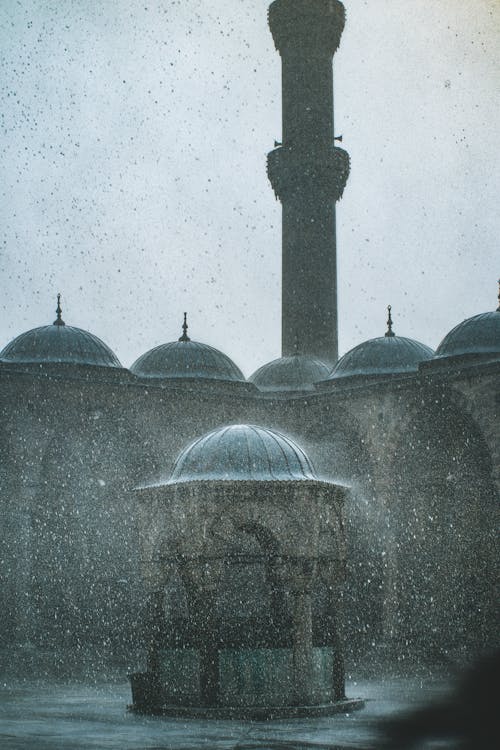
242, 452
252, 544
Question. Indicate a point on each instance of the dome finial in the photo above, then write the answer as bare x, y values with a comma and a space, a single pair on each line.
498, 308
184, 336
389, 331
59, 321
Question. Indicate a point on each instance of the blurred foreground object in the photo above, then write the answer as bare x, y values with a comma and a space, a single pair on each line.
469, 717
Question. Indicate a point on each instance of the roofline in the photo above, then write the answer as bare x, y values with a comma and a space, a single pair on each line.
167, 484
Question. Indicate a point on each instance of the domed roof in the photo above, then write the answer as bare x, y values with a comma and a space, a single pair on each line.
59, 343
294, 373
385, 355
477, 335
242, 452
186, 359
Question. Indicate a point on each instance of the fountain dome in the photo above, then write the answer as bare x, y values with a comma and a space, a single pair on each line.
242, 452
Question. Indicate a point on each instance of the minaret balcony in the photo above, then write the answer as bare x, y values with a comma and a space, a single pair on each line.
321, 172
306, 27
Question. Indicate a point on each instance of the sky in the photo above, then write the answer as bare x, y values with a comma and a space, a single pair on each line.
133, 170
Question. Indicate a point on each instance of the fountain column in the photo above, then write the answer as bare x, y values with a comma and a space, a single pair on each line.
201, 580
300, 584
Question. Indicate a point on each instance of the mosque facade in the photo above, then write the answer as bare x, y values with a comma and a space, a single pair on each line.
413, 434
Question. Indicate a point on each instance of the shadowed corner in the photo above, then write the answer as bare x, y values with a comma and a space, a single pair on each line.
468, 718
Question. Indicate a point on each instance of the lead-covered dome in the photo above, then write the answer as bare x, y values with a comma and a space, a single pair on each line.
385, 355
242, 452
59, 344
477, 335
186, 359
295, 373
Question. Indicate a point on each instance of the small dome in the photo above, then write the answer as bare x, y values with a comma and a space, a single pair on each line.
186, 359
477, 335
295, 373
242, 452
382, 356
385, 355
59, 343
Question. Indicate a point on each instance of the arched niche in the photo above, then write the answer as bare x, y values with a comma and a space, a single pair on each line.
85, 583
441, 513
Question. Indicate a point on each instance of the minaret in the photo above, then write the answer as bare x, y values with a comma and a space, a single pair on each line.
308, 173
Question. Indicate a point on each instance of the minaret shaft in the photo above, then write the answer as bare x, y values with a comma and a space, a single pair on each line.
308, 173
307, 100
309, 280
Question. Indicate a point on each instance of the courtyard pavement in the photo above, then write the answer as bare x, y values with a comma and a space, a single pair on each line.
37, 716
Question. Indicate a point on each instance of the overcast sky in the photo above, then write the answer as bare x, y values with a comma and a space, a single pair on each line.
133, 180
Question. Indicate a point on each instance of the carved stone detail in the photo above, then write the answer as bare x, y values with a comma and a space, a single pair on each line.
294, 172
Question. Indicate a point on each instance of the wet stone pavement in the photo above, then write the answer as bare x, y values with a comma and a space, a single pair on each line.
77, 717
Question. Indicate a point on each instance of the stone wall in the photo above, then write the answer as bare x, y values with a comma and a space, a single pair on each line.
421, 457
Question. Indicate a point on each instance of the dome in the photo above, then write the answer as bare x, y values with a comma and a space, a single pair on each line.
242, 452
385, 355
59, 343
186, 359
294, 373
382, 356
477, 335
